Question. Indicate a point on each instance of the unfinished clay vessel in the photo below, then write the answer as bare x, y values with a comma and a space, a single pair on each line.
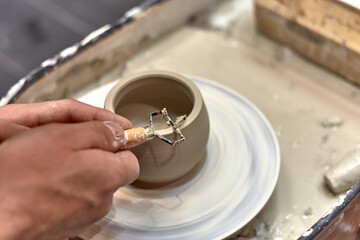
136, 96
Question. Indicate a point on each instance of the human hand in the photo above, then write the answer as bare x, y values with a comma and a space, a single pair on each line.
58, 169
61, 111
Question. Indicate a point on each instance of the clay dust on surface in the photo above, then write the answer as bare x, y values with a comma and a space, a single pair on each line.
295, 95
299, 99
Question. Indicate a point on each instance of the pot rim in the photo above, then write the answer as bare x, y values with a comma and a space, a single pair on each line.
190, 85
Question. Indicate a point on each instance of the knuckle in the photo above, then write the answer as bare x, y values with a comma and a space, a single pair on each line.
101, 131
108, 134
69, 102
109, 185
105, 208
102, 210
67, 105
133, 165
129, 168
93, 198
132, 160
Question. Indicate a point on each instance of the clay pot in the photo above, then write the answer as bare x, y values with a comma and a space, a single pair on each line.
136, 96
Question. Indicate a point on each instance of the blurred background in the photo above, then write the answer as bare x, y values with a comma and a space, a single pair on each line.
33, 30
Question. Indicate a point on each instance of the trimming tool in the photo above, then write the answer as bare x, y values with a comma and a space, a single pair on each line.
136, 136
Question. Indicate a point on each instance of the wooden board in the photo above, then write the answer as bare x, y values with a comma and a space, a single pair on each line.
326, 31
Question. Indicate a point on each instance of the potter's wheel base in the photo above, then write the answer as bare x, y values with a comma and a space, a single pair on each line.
234, 182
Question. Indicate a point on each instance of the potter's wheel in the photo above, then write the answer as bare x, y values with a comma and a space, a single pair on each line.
237, 178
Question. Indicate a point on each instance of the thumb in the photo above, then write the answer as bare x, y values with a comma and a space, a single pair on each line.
9, 129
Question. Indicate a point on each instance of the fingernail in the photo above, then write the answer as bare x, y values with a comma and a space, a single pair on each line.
116, 129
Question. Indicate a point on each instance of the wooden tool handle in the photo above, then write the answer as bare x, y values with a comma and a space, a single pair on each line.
134, 137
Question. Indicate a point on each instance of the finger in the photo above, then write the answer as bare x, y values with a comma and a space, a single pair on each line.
83, 219
61, 111
100, 212
9, 129
128, 167
80, 219
111, 170
87, 135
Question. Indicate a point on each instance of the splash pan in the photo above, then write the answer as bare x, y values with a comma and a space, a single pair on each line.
233, 184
